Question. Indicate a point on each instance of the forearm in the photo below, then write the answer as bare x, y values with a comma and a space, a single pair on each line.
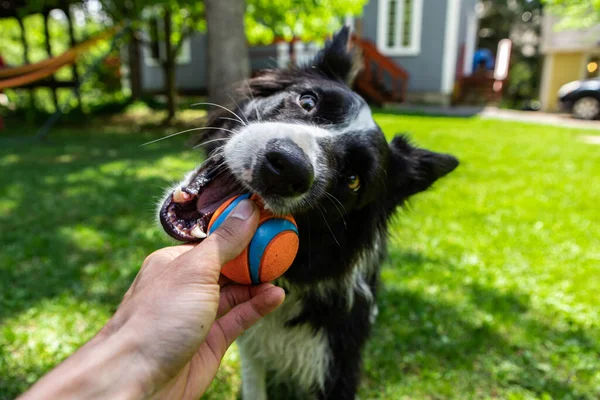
107, 367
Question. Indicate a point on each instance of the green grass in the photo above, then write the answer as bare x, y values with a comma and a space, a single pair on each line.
490, 291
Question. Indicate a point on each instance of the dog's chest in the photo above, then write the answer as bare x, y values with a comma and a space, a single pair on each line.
298, 354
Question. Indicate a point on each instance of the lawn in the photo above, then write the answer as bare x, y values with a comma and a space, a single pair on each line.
490, 291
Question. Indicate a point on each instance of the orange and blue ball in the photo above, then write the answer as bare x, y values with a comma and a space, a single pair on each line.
271, 251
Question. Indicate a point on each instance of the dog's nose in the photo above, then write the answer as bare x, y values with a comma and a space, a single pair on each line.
285, 169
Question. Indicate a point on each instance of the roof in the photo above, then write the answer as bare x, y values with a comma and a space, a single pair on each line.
555, 40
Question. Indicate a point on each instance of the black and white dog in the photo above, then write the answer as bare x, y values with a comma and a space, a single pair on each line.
308, 145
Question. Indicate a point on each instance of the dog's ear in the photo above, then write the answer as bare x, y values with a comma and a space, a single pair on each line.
417, 169
337, 60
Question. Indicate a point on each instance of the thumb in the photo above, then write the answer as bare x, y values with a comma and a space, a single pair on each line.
224, 244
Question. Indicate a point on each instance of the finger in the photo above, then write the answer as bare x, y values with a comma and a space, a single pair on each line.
159, 257
234, 294
223, 245
167, 254
224, 281
243, 316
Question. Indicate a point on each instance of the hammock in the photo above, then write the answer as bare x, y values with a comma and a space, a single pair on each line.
23, 75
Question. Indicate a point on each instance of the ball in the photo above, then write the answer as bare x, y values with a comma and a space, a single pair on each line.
271, 251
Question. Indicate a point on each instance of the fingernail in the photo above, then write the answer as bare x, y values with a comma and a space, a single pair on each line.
243, 210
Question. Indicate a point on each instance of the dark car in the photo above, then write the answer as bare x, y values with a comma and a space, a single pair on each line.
581, 98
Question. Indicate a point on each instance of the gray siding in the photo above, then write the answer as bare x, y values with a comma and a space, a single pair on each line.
467, 7
263, 57
425, 69
464, 14
190, 76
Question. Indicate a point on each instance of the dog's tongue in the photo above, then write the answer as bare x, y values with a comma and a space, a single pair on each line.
185, 214
216, 193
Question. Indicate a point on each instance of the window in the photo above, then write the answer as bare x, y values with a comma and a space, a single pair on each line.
399, 27
155, 51
592, 67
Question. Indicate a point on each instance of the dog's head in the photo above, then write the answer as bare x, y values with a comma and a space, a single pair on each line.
307, 144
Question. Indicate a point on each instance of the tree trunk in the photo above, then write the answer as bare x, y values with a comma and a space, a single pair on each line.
72, 43
31, 92
171, 89
228, 58
49, 51
135, 70
169, 68
24, 40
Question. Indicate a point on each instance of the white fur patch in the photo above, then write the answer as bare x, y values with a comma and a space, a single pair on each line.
297, 354
241, 150
254, 379
352, 283
363, 121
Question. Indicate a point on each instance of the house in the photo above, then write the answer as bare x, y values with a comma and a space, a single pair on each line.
569, 55
414, 50
434, 41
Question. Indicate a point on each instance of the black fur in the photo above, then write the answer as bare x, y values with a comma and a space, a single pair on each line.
342, 228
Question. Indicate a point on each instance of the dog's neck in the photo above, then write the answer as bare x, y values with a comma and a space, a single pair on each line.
344, 287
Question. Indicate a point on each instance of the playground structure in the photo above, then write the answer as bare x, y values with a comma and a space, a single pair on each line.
31, 74
41, 74
18, 10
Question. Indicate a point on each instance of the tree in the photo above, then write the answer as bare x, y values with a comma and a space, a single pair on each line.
178, 20
264, 20
228, 58
575, 14
230, 25
305, 19
117, 10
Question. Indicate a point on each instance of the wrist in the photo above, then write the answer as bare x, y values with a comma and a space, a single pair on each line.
108, 366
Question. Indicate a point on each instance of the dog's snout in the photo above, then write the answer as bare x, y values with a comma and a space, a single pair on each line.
285, 169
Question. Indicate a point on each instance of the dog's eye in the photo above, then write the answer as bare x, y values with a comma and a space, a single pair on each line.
354, 183
308, 102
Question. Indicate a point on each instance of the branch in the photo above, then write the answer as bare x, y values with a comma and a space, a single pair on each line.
184, 35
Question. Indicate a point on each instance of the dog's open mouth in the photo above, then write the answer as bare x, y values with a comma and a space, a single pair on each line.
187, 211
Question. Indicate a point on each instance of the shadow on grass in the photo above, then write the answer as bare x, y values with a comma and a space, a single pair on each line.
77, 217
495, 338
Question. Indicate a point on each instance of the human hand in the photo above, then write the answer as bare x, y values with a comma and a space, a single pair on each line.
176, 321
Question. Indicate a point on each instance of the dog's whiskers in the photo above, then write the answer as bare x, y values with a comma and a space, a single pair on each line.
222, 107
258, 117
186, 131
215, 155
231, 119
331, 198
328, 227
210, 141
239, 108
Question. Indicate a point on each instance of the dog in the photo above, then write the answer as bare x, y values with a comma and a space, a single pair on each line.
307, 144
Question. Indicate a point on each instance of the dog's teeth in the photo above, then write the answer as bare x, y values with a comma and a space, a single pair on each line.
198, 233
267, 207
179, 196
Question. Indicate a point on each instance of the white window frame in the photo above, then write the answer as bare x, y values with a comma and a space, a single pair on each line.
398, 49
472, 29
185, 53
350, 22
